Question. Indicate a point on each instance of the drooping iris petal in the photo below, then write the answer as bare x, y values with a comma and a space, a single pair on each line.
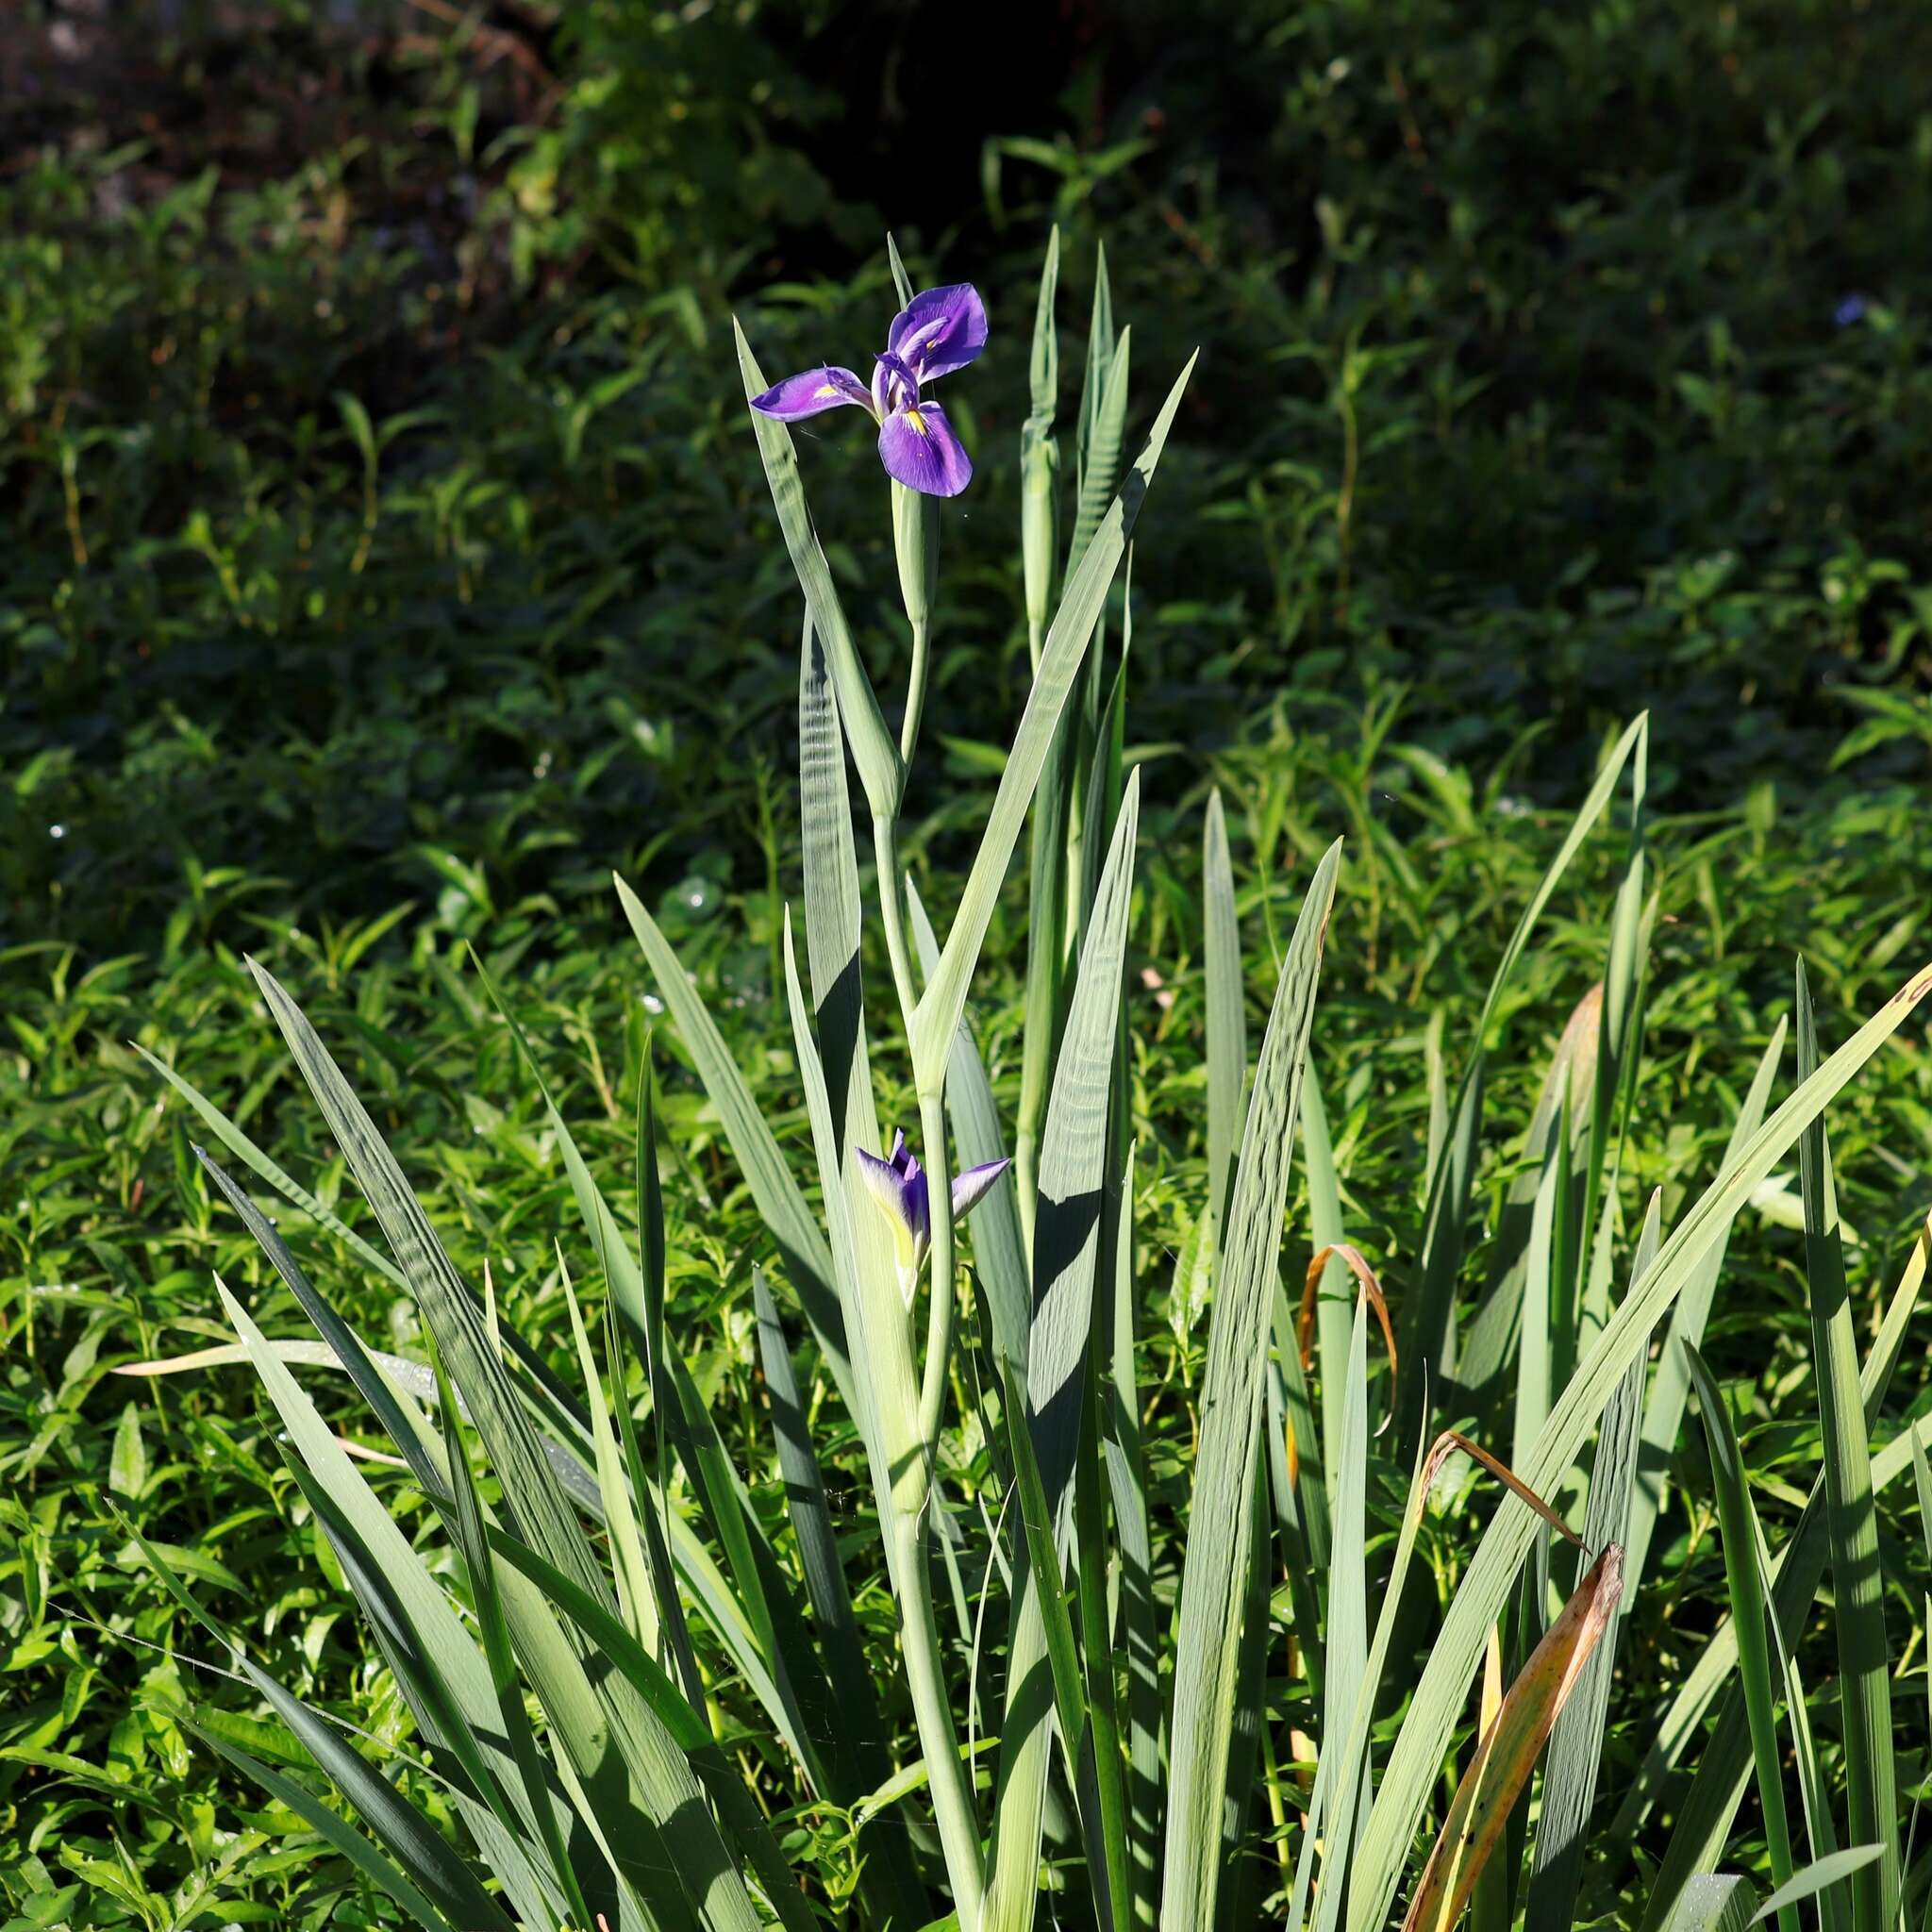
899, 1187
971, 1187
810, 393
919, 449
939, 330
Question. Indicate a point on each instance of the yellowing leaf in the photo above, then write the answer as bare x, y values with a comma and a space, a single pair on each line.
1510, 1746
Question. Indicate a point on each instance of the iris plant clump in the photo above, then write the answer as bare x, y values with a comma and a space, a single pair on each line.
648, 1700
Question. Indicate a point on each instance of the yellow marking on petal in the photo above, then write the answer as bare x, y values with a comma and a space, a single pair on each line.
917, 421
824, 389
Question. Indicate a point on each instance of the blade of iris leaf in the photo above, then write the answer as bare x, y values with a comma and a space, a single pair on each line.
1040, 458
1100, 458
1048, 888
806, 1709
874, 750
1835, 1868
1704, 1818
486, 1601
1326, 1230
447, 1684
787, 1219
998, 1246
1238, 1904
361, 1851
1715, 1902
405, 1831
1503, 1759
1042, 1580
1347, 1646
645, 1677
634, 1589
889, 1877
1066, 1250
944, 999
649, 1336
402, 1603
1621, 1022
1428, 1333
1418, 1750
1227, 1030
283, 1183
1103, 1779
446, 1877
796, 1695
832, 906
1100, 347
1747, 1617
1576, 1742
897, 1460
1342, 1770
1127, 1476
1663, 1411
1230, 1408
1850, 1521
656, 1781
1496, 1327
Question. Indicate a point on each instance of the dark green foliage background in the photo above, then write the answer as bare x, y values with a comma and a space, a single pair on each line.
386, 560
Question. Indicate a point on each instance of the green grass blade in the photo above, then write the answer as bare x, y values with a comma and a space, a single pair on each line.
874, 750
1663, 1411
1231, 1408
944, 998
902, 282
1728, 1482
1439, 1694
1851, 1522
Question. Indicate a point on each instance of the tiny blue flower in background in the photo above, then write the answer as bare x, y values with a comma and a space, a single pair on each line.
1852, 310
899, 1187
939, 330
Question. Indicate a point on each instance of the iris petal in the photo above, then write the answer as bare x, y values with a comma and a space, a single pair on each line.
810, 393
919, 449
969, 1189
939, 330
901, 1191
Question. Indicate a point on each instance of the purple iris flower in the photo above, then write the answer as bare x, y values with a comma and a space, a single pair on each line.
898, 1186
938, 331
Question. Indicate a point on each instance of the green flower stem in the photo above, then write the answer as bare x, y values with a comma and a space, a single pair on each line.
946, 1774
948, 1779
915, 691
916, 544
